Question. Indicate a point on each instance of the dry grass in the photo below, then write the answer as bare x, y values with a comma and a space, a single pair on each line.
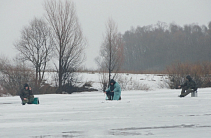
200, 72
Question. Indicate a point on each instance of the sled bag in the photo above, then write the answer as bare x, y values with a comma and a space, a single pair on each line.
36, 100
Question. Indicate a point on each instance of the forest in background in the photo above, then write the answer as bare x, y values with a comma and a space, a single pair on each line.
154, 47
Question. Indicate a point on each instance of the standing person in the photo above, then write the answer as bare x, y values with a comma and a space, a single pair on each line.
188, 87
114, 91
27, 95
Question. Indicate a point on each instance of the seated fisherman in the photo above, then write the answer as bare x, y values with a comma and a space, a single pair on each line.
114, 91
26, 95
188, 87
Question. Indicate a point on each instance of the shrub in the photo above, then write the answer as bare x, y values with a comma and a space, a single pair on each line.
47, 89
12, 77
200, 72
130, 84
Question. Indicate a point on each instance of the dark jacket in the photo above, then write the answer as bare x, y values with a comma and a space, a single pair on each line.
25, 93
189, 84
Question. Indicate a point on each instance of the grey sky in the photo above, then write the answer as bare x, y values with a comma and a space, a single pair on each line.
93, 14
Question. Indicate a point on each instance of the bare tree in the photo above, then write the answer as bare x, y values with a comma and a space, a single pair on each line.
68, 37
36, 46
13, 76
111, 52
103, 78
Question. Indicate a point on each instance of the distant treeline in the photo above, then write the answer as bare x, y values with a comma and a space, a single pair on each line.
154, 47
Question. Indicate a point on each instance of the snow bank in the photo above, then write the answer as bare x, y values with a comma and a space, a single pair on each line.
152, 81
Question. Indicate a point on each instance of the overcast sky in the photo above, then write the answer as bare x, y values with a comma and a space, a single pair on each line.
93, 14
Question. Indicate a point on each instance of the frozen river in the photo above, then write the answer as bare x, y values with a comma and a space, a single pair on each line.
153, 114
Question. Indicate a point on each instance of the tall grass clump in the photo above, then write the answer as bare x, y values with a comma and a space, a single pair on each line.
200, 72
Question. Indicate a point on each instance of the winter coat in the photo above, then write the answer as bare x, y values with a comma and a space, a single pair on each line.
25, 93
190, 84
117, 91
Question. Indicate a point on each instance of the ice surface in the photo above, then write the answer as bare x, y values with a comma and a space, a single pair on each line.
153, 114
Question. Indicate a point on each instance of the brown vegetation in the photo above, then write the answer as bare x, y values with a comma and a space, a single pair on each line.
200, 72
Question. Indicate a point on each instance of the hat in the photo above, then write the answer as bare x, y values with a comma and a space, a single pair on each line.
112, 81
26, 85
188, 77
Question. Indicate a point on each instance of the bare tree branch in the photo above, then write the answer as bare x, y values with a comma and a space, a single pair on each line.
111, 52
36, 46
68, 37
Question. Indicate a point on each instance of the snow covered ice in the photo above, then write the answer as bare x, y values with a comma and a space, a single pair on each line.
154, 114
158, 113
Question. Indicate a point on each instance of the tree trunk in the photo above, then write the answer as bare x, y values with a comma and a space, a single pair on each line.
60, 73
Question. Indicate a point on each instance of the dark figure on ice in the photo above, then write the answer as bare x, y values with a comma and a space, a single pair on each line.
114, 91
188, 87
27, 95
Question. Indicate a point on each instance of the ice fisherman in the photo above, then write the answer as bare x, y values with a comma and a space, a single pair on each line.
26, 95
188, 87
114, 91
